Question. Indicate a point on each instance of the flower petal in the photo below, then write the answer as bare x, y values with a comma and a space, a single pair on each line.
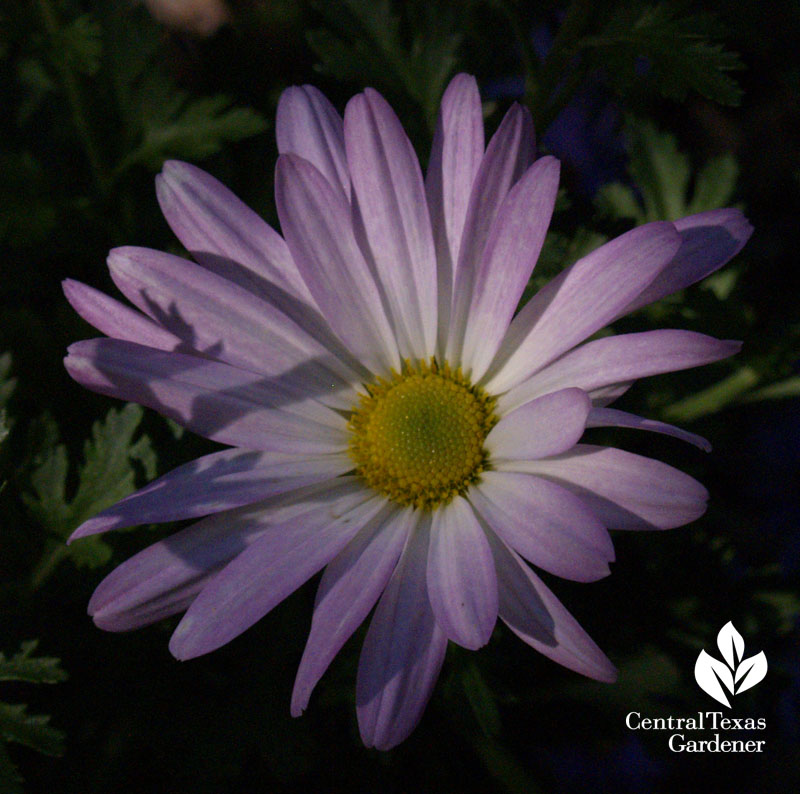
538, 618
402, 654
213, 399
308, 124
511, 251
349, 588
545, 523
455, 158
213, 483
275, 565
391, 196
216, 227
546, 426
115, 319
508, 155
316, 221
618, 359
708, 241
580, 301
610, 417
462, 586
167, 576
626, 491
218, 317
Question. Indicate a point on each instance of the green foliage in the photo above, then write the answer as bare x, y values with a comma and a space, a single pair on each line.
637, 45
79, 42
29, 214
24, 666
365, 44
663, 174
681, 49
163, 121
107, 475
190, 128
16, 725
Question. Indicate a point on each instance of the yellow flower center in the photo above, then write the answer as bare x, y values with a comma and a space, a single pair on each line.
417, 437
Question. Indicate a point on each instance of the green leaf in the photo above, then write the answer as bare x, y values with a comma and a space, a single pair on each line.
37, 85
365, 43
715, 184
714, 398
159, 119
23, 666
29, 214
481, 700
16, 725
782, 390
32, 730
662, 174
193, 129
106, 476
682, 51
81, 44
7, 383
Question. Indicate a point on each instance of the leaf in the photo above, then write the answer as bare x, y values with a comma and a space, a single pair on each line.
35, 670
715, 184
16, 725
678, 52
193, 129
730, 644
29, 214
364, 43
7, 384
662, 176
751, 671
160, 120
709, 672
782, 390
37, 84
714, 398
481, 700
106, 476
81, 44
32, 730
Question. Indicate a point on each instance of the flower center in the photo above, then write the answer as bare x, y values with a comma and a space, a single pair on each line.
417, 437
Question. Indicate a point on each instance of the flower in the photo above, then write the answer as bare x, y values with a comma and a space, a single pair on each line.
201, 17
389, 418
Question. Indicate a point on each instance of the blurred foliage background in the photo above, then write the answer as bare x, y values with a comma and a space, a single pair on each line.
657, 110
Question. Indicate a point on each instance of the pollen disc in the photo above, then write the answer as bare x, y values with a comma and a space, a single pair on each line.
417, 437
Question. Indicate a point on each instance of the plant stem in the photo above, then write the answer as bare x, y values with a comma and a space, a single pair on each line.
49, 562
72, 91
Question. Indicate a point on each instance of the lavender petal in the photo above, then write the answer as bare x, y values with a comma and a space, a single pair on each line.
581, 300
624, 490
545, 523
402, 654
538, 618
349, 588
391, 196
214, 483
548, 425
307, 124
275, 565
462, 586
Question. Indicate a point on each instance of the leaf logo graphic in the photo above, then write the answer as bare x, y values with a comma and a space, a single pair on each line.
734, 674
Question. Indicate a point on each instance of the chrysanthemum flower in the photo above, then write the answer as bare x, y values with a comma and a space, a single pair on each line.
388, 417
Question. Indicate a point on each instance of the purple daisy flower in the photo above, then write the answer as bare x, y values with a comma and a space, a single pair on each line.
388, 417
